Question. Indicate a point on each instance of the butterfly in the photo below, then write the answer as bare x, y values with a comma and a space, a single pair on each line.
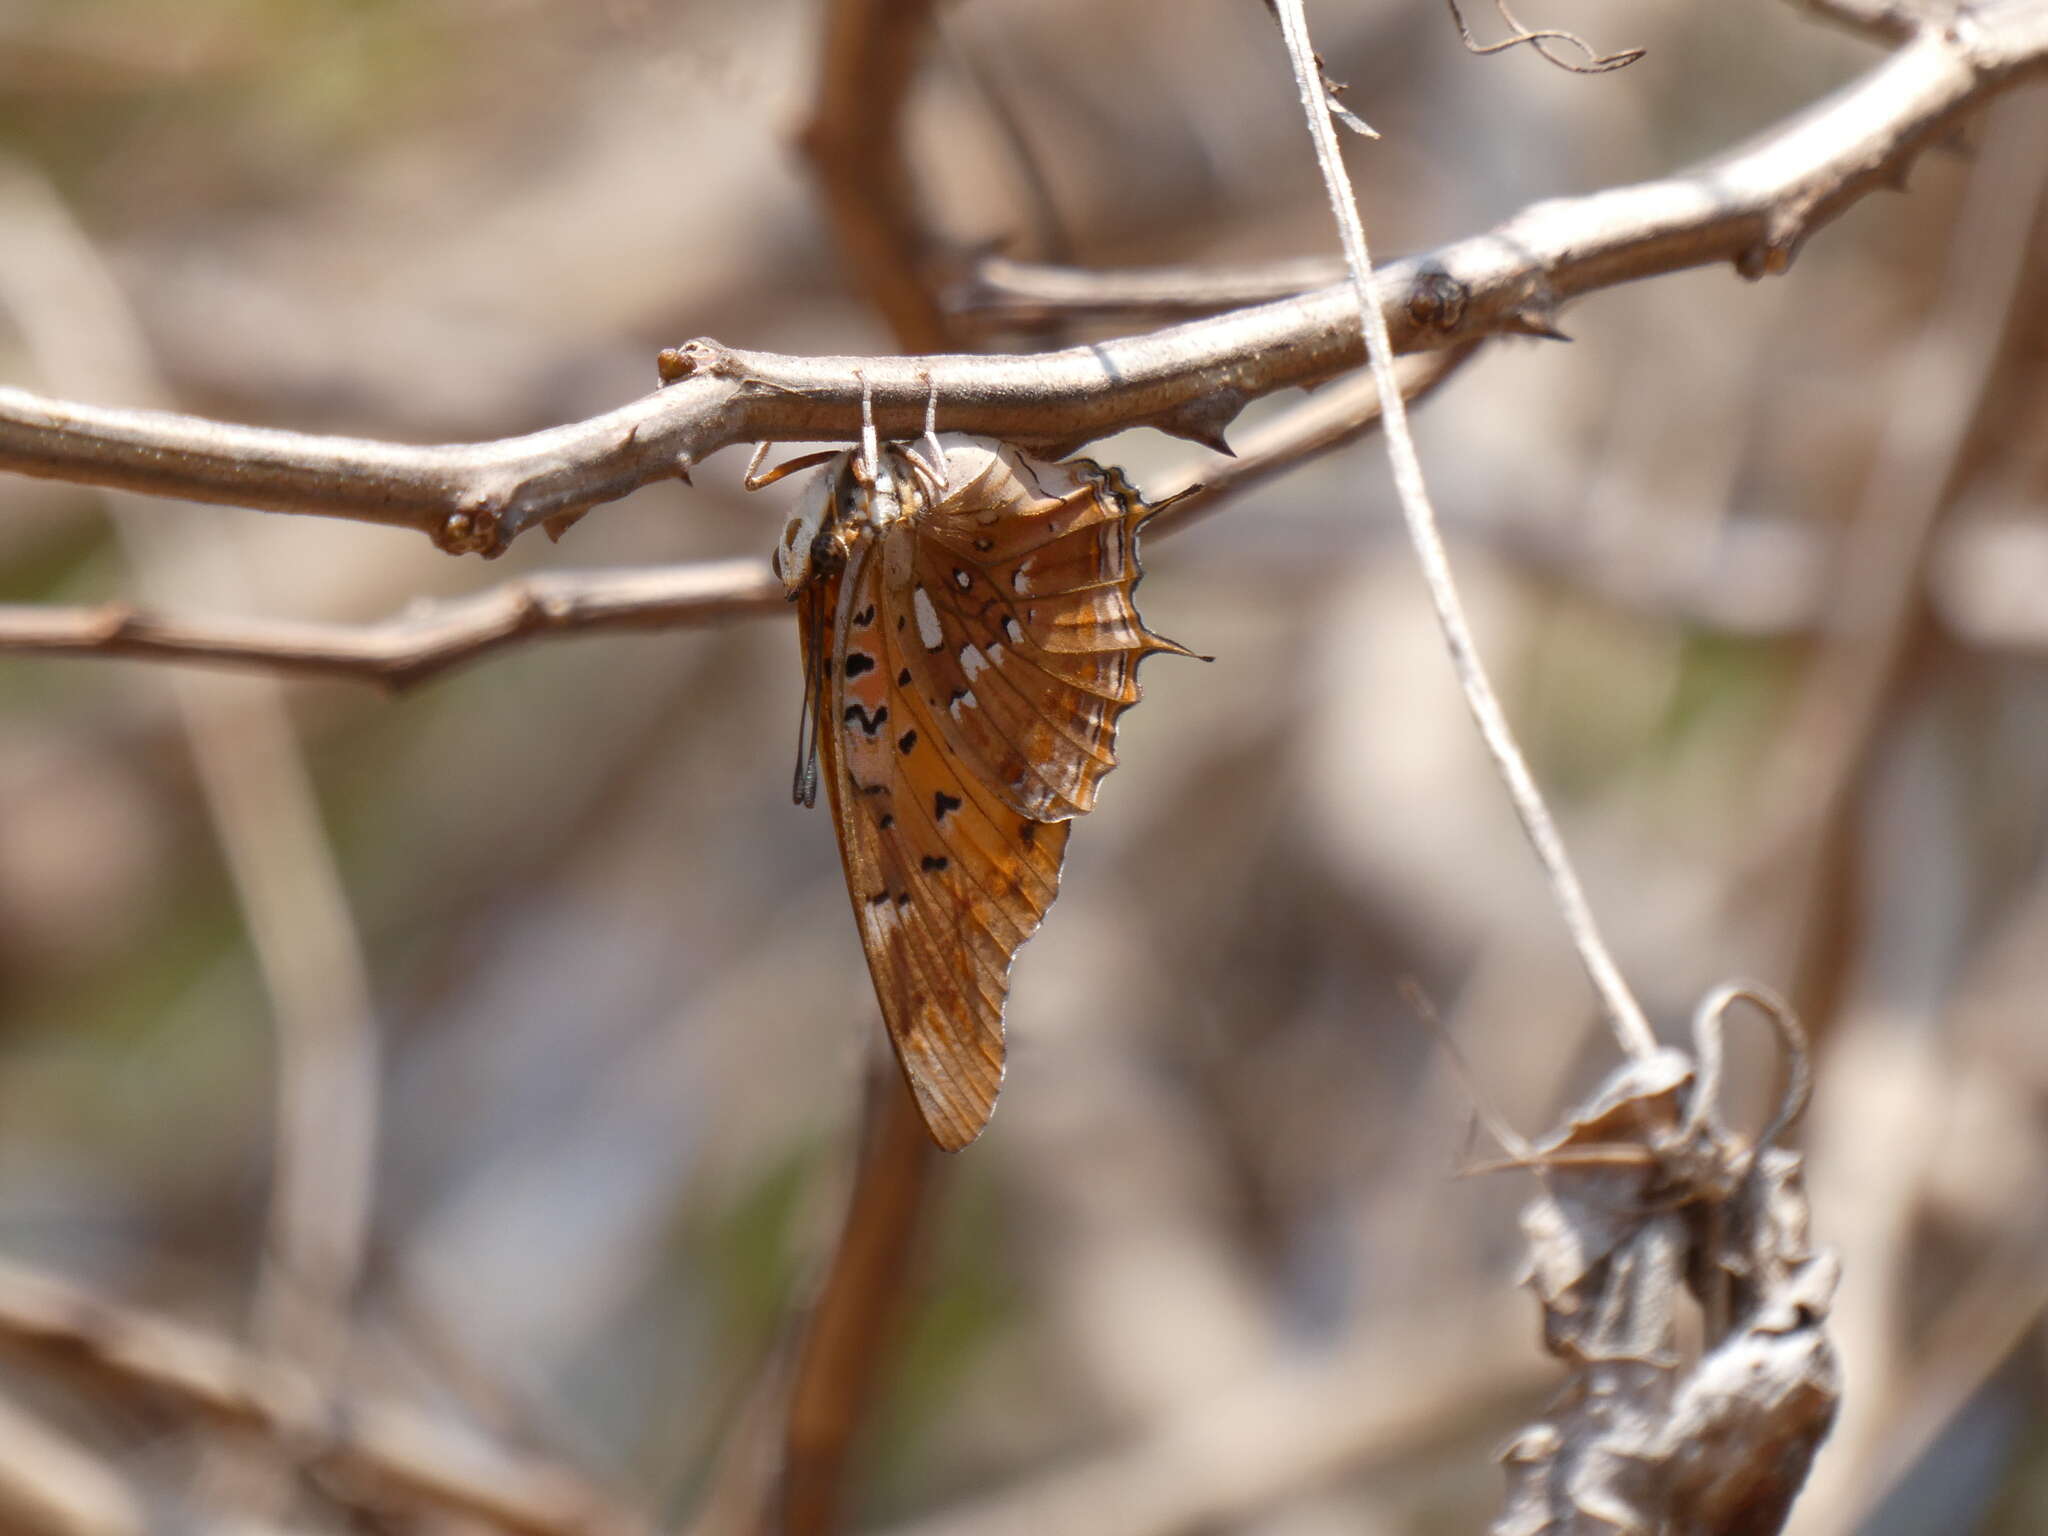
969, 641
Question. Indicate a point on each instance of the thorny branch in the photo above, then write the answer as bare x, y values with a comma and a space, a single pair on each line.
1752, 206
429, 639
1970, 580
474, 497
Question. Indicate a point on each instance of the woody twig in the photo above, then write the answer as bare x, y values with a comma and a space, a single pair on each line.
1752, 207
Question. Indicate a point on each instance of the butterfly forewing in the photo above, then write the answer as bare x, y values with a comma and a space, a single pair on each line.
977, 652
1020, 590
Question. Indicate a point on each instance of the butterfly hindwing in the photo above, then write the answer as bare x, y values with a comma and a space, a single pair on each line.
946, 881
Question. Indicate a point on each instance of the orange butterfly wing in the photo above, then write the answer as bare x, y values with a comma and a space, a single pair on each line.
1021, 581
966, 716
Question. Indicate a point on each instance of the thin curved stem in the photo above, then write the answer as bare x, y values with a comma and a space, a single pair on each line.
1625, 1015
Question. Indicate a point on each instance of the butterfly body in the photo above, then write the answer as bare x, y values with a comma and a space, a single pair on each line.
969, 639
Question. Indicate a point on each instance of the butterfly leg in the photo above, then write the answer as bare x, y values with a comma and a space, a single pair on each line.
867, 467
932, 471
756, 479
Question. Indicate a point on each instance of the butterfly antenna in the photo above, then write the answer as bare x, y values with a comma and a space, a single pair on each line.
803, 787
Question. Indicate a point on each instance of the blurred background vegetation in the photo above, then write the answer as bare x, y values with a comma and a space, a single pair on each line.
623, 1015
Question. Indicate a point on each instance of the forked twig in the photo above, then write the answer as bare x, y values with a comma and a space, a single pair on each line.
1752, 206
431, 638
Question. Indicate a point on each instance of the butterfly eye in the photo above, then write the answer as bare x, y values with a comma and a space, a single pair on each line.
827, 557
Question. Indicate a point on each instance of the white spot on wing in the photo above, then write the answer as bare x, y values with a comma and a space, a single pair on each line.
972, 662
927, 620
966, 700
1014, 630
1020, 579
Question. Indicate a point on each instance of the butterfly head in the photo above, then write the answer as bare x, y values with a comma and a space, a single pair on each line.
813, 541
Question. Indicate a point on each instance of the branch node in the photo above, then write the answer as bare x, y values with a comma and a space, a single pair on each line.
114, 621
1437, 300
1771, 256
471, 530
700, 355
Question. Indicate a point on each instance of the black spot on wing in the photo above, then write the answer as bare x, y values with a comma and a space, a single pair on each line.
932, 863
869, 724
865, 617
944, 804
903, 678
906, 741
858, 663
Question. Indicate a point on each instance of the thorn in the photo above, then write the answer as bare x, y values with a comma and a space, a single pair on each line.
683, 469
562, 522
1202, 421
1153, 509
1532, 321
